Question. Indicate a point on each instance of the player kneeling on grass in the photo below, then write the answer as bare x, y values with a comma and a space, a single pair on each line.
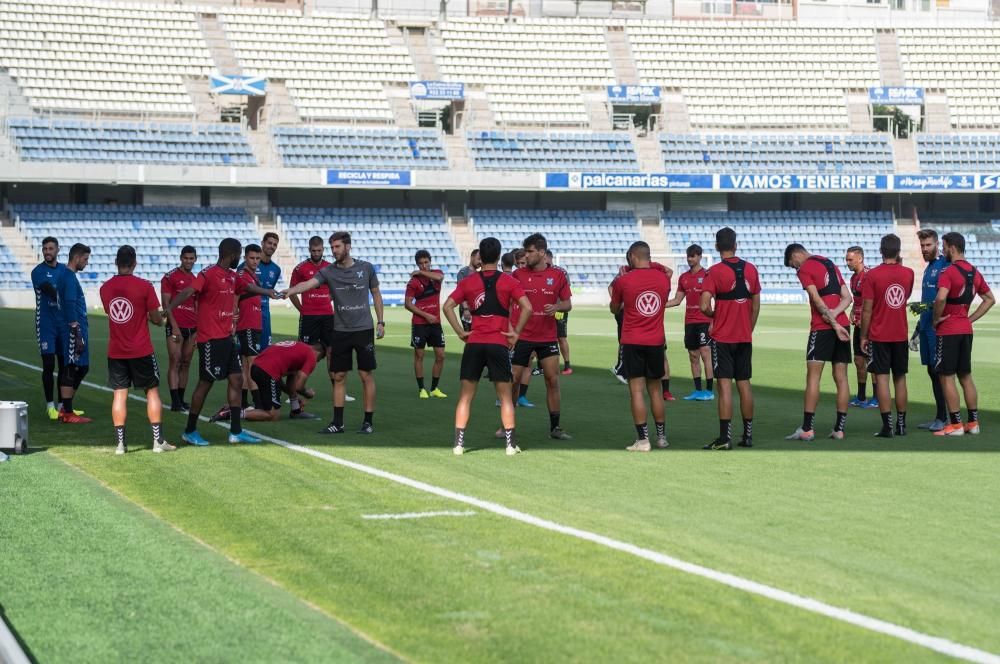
423, 300
130, 302
640, 294
489, 295
284, 358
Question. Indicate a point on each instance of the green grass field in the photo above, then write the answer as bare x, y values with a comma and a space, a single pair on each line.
260, 553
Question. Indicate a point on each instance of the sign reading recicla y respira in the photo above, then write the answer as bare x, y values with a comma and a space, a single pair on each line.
369, 178
446, 90
634, 94
252, 86
896, 96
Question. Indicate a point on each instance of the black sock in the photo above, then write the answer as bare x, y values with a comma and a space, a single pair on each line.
900, 422
841, 421
939, 402
955, 418
338, 416
174, 398
255, 394
369, 414
748, 429
661, 430
459, 437
434, 382
863, 390
708, 384
808, 421
665, 384
192, 424
120, 434
508, 436
157, 432
245, 398
420, 382
48, 382
973, 414
67, 404
725, 430
887, 422
180, 393
642, 431
566, 365
523, 390
553, 420
235, 420
697, 384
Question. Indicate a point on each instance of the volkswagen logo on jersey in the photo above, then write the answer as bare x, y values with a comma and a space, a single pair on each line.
648, 303
120, 310
895, 296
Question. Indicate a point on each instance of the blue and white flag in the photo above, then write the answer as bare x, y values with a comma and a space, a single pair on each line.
252, 86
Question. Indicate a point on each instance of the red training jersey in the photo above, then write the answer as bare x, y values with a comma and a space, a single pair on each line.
957, 321
814, 273
284, 357
128, 300
888, 286
487, 329
425, 294
315, 302
250, 315
691, 283
731, 324
542, 287
642, 292
216, 289
171, 284
857, 286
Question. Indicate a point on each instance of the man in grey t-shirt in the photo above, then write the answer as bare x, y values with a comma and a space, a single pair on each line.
350, 282
474, 265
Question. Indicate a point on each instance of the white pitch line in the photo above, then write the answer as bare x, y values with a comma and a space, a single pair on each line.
935, 643
416, 515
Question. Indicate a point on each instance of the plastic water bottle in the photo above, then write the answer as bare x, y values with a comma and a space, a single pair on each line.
3, 457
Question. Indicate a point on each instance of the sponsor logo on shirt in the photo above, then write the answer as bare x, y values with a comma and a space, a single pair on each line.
895, 296
120, 310
648, 303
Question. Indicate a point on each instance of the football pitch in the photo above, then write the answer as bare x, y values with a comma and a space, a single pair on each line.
387, 547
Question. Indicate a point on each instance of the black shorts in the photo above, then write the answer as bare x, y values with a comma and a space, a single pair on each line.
825, 346
954, 354
732, 360
316, 330
218, 359
186, 332
561, 324
249, 341
348, 344
521, 355
889, 356
642, 361
141, 373
427, 334
495, 358
268, 390
856, 343
696, 335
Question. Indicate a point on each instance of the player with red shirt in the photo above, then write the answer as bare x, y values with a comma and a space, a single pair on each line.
730, 297
293, 359
958, 284
885, 332
180, 328
489, 295
547, 288
696, 339
829, 340
131, 303
619, 369
855, 260
423, 300
315, 307
219, 357
640, 295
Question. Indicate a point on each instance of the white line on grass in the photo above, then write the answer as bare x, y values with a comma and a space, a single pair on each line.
935, 643
416, 515
10, 649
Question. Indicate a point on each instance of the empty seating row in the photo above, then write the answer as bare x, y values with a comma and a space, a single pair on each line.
409, 149
942, 154
599, 151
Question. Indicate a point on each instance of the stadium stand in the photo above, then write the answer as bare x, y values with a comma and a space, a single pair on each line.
963, 61
334, 66
130, 142
412, 149
516, 151
982, 245
568, 232
385, 237
112, 57
760, 153
157, 233
762, 236
948, 153
533, 70
753, 75
12, 273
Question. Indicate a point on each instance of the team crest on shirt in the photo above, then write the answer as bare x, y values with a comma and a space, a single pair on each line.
360, 273
648, 303
549, 281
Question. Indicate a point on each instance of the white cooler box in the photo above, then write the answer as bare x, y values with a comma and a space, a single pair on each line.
14, 426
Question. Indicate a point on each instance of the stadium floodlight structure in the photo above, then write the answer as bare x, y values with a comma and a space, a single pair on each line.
590, 274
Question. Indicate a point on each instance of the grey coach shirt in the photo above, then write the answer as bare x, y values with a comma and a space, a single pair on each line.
349, 288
